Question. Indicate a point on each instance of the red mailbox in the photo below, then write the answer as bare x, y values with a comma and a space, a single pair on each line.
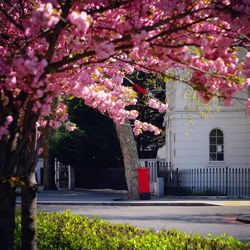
143, 182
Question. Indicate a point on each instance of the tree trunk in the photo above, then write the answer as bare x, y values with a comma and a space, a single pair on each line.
130, 158
27, 164
7, 215
29, 209
49, 173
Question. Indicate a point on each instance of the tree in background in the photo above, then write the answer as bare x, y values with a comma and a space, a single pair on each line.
84, 49
92, 145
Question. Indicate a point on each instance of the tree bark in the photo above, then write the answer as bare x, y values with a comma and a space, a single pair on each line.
7, 215
49, 173
130, 158
29, 210
27, 164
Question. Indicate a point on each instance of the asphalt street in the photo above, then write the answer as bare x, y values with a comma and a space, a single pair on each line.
216, 220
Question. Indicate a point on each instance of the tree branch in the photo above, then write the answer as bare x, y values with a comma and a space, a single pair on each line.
57, 30
19, 26
176, 29
114, 5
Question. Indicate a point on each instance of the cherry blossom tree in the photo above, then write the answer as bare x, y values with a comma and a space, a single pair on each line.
51, 48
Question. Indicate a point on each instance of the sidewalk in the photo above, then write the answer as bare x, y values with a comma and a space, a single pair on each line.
108, 197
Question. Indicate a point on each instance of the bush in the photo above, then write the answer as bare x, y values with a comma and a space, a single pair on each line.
67, 231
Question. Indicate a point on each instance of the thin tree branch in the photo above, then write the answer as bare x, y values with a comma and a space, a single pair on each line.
114, 5
57, 30
176, 29
19, 26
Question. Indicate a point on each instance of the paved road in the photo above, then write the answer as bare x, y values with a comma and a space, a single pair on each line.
215, 219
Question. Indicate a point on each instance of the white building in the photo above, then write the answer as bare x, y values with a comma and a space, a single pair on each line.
221, 139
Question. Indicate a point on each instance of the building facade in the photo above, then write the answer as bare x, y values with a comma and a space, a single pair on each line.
200, 136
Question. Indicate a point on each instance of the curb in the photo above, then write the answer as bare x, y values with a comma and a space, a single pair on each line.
173, 204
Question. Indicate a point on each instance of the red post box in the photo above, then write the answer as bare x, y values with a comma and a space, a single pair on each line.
143, 182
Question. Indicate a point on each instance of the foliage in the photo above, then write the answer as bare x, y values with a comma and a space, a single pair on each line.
67, 231
93, 144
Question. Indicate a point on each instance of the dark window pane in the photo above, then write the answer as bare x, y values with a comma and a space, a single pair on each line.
213, 132
213, 148
220, 140
220, 157
219, 132
212, 140
212, 156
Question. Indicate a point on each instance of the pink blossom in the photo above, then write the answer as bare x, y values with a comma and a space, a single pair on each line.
70, 126
45, 15
133, 114
39, 93
81, 20
138, 38
104, 49
55, 124
161, 107
9, 120
144, 126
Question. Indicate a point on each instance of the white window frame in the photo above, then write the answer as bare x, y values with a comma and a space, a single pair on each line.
216, 144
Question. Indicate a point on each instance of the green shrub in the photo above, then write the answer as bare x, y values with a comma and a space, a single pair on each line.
67, 231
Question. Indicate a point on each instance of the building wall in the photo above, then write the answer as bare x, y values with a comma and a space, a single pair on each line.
192, 151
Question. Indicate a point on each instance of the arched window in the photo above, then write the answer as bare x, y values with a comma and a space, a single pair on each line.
216, 145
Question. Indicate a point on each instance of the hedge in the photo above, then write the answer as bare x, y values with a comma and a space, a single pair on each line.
68, 231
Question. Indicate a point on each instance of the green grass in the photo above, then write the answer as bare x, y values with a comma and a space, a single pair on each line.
68, 231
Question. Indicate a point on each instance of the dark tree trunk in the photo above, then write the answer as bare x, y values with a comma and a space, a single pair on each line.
130, 158
29, 210
7, 216
10, 151
46, 170
49, 173
27, 164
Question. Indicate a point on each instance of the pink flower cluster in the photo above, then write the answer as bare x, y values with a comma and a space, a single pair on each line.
111, 101
104, 49
81, 20
4, 129
155, 104
139, 127
70, 126
30, 67
61, 116
45, 16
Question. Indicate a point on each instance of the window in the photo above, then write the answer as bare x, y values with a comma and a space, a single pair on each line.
216, 145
